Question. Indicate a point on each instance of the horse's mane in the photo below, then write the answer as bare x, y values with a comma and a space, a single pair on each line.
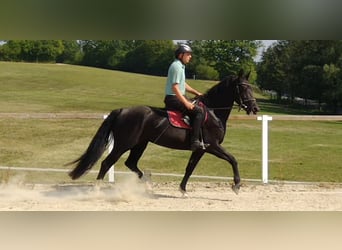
215, 89
218, 88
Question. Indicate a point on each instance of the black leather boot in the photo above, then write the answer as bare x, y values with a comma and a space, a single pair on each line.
195, 133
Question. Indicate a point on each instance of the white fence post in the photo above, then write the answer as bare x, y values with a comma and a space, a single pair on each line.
264, 119
110, 148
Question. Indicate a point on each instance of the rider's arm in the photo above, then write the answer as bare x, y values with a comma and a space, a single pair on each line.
191, 90
180, 97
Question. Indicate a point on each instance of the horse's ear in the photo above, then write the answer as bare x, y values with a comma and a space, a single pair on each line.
247, 76
241, 72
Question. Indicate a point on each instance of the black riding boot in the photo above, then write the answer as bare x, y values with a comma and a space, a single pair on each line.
197, 120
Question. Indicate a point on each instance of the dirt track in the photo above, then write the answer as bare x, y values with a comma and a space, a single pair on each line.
131, 195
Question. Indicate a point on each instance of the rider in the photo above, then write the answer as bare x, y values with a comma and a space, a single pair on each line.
175, 90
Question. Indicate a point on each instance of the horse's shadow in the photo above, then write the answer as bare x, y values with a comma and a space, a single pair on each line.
167, 196
83, 191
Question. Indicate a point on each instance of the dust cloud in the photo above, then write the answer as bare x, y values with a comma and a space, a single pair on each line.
131, 194
15, 194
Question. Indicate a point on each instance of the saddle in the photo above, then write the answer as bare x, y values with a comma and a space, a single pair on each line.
178, 120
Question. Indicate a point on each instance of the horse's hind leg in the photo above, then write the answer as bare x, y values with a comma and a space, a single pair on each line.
110, 160
133, 158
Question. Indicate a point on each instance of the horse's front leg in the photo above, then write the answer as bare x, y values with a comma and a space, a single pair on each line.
194, 159
220, 152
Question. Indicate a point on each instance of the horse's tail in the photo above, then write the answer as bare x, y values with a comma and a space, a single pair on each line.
96, 147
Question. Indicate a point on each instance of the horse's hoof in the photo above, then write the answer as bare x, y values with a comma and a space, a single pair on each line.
98, 184
236, 188
149, 187
147, 176
184, 193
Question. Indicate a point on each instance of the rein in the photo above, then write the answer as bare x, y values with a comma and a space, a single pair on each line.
241, 103
231, 107
221, 108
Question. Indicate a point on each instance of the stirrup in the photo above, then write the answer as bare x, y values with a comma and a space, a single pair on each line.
199, 145
186, 120
195, 145
204, 145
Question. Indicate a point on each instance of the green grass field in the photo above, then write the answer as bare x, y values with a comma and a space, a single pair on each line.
299, 150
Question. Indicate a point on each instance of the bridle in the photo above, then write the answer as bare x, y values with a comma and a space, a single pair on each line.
242, 102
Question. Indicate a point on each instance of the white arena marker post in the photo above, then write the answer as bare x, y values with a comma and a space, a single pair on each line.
264, 119
110, 148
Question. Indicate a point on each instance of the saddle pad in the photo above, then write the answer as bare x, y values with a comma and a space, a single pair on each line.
176, 119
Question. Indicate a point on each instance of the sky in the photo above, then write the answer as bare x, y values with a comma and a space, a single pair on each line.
266, 44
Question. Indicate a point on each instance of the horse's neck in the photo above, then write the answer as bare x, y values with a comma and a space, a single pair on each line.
221, 102
223, 115
222, 111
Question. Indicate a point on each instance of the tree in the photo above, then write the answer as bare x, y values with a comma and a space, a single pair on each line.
229, 57
199, 66
71, 52
309, 58
150, 57
310, 69
41, 50
272, 70
108, 54
10, 51
32, 50
312, 85
332, 75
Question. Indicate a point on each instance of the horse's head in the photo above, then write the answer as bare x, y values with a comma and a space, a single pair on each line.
244, 94
230, 89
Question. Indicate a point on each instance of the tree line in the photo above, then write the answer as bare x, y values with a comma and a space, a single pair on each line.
212, 59
308, 69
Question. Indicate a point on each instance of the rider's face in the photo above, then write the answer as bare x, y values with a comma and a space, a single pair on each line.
186, 57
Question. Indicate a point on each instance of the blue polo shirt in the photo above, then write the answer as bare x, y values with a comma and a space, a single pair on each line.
176, 74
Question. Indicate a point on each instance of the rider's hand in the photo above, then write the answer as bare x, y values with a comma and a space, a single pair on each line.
189, 105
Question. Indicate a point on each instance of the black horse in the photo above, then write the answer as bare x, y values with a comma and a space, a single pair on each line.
133, 128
